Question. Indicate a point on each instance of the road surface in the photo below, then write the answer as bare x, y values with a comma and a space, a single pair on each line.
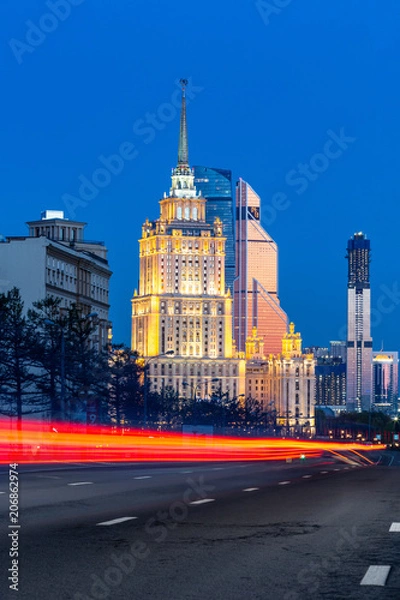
318, 528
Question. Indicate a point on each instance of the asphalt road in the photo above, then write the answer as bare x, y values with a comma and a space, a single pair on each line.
218, 531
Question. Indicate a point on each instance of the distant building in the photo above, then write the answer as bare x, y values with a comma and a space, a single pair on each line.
330, 382
55, 260
215, 185
256, 300
338, 349
284, 382
317, 351
385, 382
359, 340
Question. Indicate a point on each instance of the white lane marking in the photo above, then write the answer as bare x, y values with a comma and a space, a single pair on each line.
391, 462
217, 469
336, 469
376, 575
81, 483
116, 521
47, 477
307, 476
143, 477
243, 466
347, 468
204, 501
284, 483
324, 472
187, 471
394, 527
2, 492
250, 489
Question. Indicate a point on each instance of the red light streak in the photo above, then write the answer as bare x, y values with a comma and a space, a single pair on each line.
93, 444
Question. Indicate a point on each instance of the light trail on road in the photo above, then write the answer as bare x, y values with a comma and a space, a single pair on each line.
32, 445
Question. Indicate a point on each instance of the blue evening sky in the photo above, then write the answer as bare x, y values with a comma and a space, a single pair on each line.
266, 90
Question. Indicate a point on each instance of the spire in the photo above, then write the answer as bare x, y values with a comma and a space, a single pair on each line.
183, 150
183, 176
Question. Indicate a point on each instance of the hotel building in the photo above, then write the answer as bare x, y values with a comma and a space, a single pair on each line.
182, 312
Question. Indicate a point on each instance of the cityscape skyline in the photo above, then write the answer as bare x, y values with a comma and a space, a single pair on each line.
199, 299
277, 132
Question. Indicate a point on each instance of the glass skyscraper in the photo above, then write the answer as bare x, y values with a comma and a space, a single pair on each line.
256, 301
385, 381
216, 186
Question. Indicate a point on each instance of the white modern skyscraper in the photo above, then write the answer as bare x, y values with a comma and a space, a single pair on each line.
359, 340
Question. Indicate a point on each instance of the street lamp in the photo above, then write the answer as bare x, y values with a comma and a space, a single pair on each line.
205, 381
145, 381
194, 388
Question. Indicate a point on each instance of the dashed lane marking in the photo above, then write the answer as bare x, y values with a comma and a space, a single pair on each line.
143, 477
324, 472
395, 527
284, 483
184, 472
116, 521
306, 476
203, 501
217, 469
81, 483
250, 489
376, 575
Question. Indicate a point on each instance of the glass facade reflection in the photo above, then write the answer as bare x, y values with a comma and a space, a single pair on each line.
256, 302
385, 381
216, 186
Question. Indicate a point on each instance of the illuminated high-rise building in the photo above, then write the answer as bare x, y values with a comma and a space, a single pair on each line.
256, 300
359, 341
215, 186
385, 382
182, 313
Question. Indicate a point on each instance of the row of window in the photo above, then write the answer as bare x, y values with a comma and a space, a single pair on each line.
195, 370
191, 308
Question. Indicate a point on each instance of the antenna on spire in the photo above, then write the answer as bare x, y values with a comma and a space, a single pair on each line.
183, 151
